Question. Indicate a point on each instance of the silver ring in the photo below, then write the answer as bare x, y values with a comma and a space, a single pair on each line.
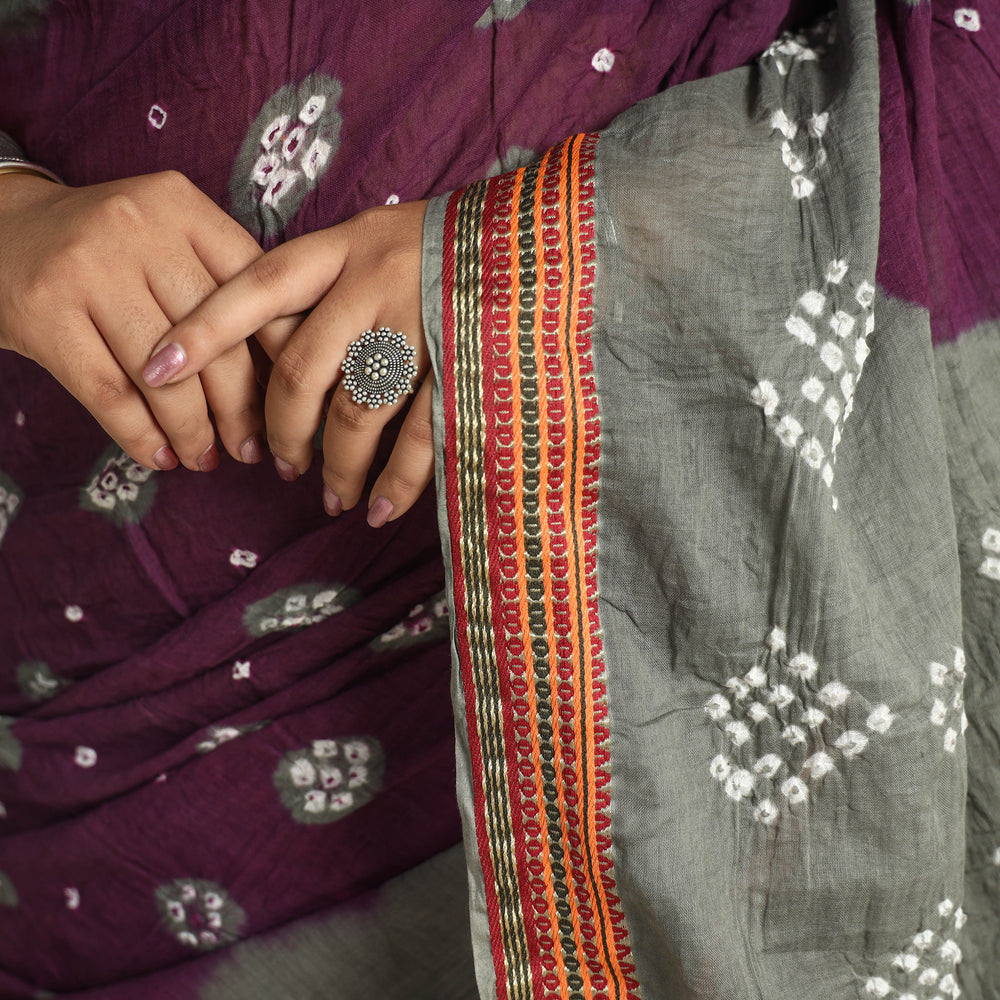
379, 368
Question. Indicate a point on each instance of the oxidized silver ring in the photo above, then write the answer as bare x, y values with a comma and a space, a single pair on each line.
379, 368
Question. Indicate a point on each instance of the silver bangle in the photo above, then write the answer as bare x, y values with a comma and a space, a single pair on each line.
11, 165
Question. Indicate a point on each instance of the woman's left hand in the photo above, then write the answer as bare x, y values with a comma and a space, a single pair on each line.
361, 275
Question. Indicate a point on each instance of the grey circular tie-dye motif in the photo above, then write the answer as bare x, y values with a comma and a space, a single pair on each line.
199, 913
285, 155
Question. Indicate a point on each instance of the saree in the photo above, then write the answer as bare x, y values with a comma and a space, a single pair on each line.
717, 605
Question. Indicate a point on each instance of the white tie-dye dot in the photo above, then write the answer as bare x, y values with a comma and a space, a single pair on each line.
950, 740
880, 719
768, 765
812, 453
19, 418
312, 109
738, 731
85, 756
818, 765
781, 122
72, 896
938, 672
834, 694
717, 707
991, 540
720, 767
907, 962
243, 558
739, 784
818, 124
827, 472
929, 976
316, 158
832, 356
813, 389
877, 987
847, 386
782, 696
766, 397
789, 430
990, 567
795, 790
157, 117
73, 613
813, 718
801, 330
861, 352
603, 60
959, 661
813, 302
802, 187
803, 665
758, 712
766, 812
281, 182
393, 199
851, 743
293, 141
960, 918
756, 677
794, 735
968, 18
865, 294
835, 272
738, 686
790, 160
939, 712
831, 410
841, 323
241, 670
776, 640
275, 131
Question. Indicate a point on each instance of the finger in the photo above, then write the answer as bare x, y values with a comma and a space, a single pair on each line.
352, 434
127, 324
304, 372
93, 375
286, 281
411, 465
179, 285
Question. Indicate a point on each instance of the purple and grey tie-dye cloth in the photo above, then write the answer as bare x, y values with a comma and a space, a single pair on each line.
226, 743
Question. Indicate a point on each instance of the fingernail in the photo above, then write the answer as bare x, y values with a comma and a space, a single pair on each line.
165, 459
331, 502
164, 364
380, 512
252, 450
286, 470
209, 459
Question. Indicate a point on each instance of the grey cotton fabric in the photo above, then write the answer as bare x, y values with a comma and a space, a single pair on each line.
791, 523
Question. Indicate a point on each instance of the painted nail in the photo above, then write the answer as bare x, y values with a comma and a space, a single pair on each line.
331, 502
252, 450
380, 512
286, 470
163, 364
165, 459
209, 459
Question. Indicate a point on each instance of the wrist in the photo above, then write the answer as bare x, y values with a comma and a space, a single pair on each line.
22, 188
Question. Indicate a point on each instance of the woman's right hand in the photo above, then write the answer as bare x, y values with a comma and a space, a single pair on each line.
92, 277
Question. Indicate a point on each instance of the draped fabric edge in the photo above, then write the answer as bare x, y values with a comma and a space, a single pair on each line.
521, 455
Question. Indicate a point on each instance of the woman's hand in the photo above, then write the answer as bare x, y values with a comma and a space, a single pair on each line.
93, 277
358, 276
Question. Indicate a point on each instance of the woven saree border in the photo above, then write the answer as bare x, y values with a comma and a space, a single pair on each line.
522, 450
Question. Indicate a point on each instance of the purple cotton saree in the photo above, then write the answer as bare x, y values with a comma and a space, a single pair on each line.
709, 626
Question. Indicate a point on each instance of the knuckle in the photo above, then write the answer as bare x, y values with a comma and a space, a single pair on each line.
110, 392
119, 210
291, 374
269, 273
347, 414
